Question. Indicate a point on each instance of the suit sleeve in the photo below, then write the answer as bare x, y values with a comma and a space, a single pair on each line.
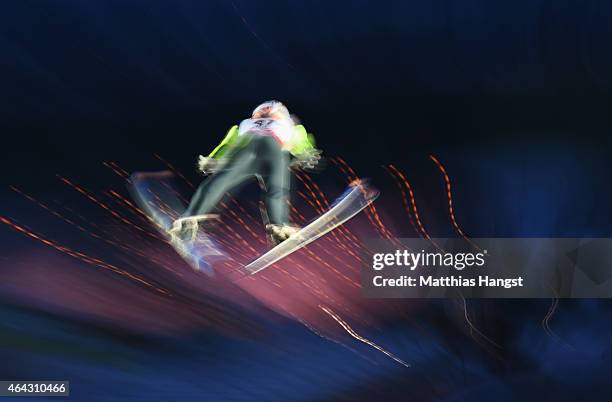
302, 142
228, 141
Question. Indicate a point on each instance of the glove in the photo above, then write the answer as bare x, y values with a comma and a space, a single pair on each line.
208, 165
307, 161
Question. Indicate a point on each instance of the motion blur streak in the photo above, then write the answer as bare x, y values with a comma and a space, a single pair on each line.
412, 201
106, 207
355, 335
175, 170
125, 247
79, 255
472, 326
449, 196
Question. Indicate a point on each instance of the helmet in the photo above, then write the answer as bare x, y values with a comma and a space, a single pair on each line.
270, 107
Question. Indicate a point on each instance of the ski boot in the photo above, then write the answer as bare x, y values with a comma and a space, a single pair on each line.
280, 233
186, 228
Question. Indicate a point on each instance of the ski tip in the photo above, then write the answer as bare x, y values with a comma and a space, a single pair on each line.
139, 176
359, 182
369, 192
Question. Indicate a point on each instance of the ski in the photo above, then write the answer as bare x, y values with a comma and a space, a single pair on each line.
357, 197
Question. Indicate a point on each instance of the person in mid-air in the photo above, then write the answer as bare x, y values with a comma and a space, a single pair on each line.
265, 146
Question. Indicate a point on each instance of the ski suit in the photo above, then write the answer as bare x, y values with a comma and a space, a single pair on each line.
258, 148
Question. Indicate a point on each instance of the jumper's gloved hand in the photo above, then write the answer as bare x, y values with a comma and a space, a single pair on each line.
307, 161
208, 165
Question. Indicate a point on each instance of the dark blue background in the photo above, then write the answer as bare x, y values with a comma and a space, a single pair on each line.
512, 96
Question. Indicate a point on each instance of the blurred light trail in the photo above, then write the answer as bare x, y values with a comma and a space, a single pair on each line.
360, 338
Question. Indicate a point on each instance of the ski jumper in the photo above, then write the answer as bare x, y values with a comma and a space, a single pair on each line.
258, 148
